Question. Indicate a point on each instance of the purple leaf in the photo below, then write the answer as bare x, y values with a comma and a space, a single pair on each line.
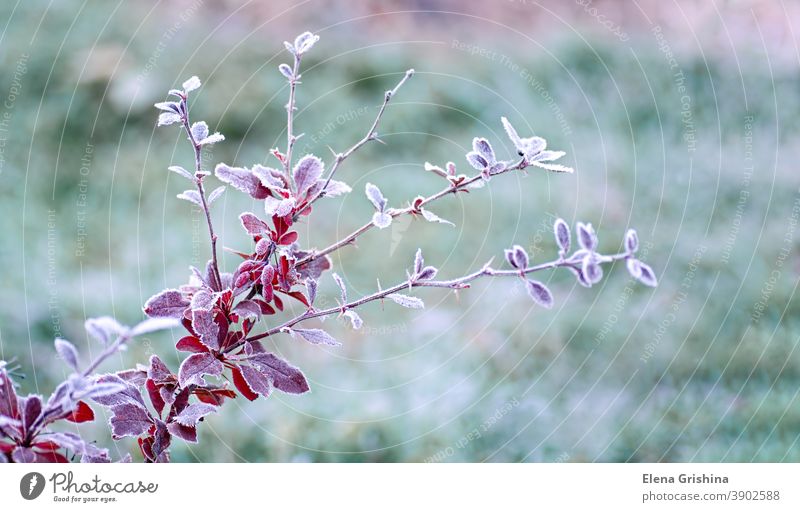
168, 118
427, 273
101, 389
634, 267
194, 413
381, 220
315, 336
520, 257
169, 106
376, 197
563, 237
188, 434
248, 308
631, 241
241, 179
8, 397
311, 288
306, 173
269, 177
129, 395
253, 225
199, 130
258, 381
31, 407
283, 375
648, 277
334, 188
586, 236
194, 367
286, 71
540, 293
477, 161
483, 148
203, 319
104, 329
23, 455
129, 420
406, 301
168, 303
67, 352
591, 269
158, 371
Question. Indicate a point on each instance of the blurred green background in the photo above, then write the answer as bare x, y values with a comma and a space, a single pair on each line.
680, 120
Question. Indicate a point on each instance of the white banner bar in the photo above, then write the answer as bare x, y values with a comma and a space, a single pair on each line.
403, 487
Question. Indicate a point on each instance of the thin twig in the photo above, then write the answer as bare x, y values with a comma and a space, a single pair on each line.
290, 108
198, 163
372, 134
403, 211
453, 284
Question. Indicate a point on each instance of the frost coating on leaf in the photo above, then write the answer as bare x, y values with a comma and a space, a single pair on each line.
67, 352
191, 84
177, 169
432, 217
563, 237
104, 329
215, 194
355, 320
194, 413
631, 241
406, 301
586, 236
306, 173
315, 336
168, 118
381, 220
211, 139
304, 42
199, 130
375, 197
539, 293
168, 303
154, 324
192, 196
194, 367
283, 375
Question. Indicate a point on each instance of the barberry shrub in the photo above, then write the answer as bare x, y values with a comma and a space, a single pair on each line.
225, 315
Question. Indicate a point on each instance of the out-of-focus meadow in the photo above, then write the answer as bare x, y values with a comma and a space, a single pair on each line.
681, 121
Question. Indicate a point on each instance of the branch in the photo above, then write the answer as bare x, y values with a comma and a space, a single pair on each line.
522, 164
290, 108
372, 134
198, 175
453, 284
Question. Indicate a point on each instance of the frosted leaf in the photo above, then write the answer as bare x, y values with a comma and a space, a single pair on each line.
191, 84
212, 139
563, 237
406, 301
67, 352
305, 42
199, 130
381, 220
540, 293
375, 197
306, 173
355, 320
192, 196
432, 217
631, 241
215, 194
168, 118
177, 169
586, 236
286, 71
315, 336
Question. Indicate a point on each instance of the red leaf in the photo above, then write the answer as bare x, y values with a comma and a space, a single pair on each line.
155, 396
190, 344
81, 414
299, 296
289, 238
214, 396
278, 302
266, 309
48, 446
242, 386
